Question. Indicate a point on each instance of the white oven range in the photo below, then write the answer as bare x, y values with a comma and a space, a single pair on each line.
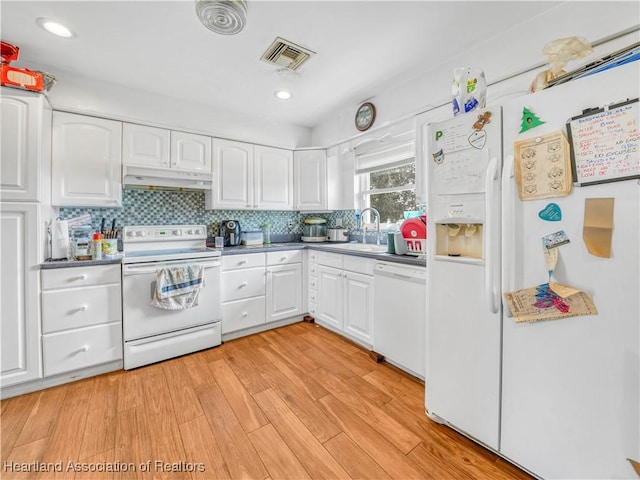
152, 334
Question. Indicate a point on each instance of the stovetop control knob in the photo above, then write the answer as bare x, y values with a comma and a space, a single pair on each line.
189, 232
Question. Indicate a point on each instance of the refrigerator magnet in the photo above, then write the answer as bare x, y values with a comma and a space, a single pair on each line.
551, 213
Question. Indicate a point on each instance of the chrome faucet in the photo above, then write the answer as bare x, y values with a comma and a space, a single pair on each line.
376, 219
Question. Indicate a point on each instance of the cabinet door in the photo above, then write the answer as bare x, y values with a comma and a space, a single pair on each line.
310, 186
190, 152
25, 129
233, 175
340, 178
19, 293
86, 161
145, 146
273, 181
358, 306
284, 291
330, 297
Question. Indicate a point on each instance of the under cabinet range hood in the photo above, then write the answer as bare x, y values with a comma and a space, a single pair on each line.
160, 178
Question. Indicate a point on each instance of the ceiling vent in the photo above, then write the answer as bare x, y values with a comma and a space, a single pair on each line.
285, 54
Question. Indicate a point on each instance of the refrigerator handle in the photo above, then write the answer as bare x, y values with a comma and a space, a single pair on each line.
490, 235
508, 242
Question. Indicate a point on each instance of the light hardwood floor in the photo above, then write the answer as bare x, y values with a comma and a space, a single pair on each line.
298, 402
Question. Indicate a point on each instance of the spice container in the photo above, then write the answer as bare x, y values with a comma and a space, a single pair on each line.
96, 246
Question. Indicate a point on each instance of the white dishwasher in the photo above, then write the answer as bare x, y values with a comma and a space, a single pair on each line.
399, 316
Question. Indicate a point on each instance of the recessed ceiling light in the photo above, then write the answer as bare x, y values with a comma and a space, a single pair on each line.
282, 94
55, 28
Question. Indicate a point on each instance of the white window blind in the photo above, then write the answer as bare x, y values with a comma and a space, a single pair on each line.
385, 152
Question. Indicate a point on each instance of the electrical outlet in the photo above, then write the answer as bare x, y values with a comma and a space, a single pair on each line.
339, 222
291, 224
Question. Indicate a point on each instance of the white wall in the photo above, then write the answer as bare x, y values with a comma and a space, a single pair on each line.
83, 95
500, 54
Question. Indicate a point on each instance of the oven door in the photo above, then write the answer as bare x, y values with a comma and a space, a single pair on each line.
141, 320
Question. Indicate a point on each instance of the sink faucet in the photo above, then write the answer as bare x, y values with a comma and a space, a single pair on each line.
376, 219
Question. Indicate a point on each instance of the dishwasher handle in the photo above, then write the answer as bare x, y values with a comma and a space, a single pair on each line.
414, 274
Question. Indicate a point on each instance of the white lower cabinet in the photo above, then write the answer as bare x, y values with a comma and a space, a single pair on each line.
284, 285
243, 291
345, 295
19, 285
81, 317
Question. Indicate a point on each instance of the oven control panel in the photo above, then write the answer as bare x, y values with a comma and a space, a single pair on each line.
164, 233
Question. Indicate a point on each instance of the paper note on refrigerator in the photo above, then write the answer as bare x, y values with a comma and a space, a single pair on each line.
598, 226
543, 166
546, 302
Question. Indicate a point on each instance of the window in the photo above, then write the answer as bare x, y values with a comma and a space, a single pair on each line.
391, 191
386, 172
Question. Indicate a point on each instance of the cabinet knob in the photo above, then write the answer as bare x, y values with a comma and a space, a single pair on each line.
245, 314
282, 259
242, 262
243, 285
85, 348
82, 277
84, 308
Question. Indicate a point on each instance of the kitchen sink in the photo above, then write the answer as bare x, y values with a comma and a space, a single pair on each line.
360, 247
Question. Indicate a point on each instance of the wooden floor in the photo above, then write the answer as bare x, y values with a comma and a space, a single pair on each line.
298, 402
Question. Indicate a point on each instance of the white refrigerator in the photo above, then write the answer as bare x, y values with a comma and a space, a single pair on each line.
560, 398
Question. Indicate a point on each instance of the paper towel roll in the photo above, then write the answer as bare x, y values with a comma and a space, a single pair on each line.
60, 239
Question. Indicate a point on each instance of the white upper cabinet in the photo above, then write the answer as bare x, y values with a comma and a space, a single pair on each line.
233, 175
86, 161
340, 178
248, 177
190, 152
25, 164
310, 175
273, 178
145, 146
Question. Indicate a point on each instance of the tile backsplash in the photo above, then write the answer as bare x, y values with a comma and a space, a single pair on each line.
160, 207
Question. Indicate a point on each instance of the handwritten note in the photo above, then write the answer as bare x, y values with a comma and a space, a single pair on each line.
606, 144
462, 171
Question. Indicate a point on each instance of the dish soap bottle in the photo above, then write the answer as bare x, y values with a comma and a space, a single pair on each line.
267, 233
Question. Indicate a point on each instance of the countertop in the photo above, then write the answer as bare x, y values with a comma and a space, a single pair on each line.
273, 247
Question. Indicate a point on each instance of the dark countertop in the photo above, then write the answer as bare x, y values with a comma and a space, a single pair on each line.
273, 247
51, 264
327, 247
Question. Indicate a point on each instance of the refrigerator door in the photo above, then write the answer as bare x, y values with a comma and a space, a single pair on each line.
570, 387
462, 377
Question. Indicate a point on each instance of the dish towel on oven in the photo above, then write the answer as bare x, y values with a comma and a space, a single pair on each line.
177, 288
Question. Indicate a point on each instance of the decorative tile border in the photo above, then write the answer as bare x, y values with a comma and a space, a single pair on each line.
160, 207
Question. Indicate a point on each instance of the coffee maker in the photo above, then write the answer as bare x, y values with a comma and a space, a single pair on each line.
230, 231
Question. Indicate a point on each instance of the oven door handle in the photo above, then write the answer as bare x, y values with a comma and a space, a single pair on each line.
141, 269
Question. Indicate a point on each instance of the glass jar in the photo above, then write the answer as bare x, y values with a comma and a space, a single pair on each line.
314, 229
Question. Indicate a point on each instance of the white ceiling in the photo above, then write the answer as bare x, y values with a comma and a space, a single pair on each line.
160, 46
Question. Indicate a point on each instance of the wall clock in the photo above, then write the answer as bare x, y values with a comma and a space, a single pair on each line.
365, 116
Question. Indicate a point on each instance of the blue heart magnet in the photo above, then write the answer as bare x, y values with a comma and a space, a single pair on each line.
551, 213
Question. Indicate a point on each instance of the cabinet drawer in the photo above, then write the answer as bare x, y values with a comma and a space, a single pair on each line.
358, 264
237, 284
313, 256
313, 297
330, 259
80, 307
313, 269
313, 309
81, 348
313, 282
282, 258
233, 262
243, 314
80, 276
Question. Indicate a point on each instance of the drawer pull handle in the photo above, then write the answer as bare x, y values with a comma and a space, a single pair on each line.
85, 348
82, 277
242, 262
245, 314
84, 308
282, 259
243, 285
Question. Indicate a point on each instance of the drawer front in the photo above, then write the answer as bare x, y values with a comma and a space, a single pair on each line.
80, 276
238, 284
282, 258
84, 347
80, 307
313, 282
313, 256
330, 259
313, 309
313, 297
362, 265
313, 269
251, 260
243, 314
